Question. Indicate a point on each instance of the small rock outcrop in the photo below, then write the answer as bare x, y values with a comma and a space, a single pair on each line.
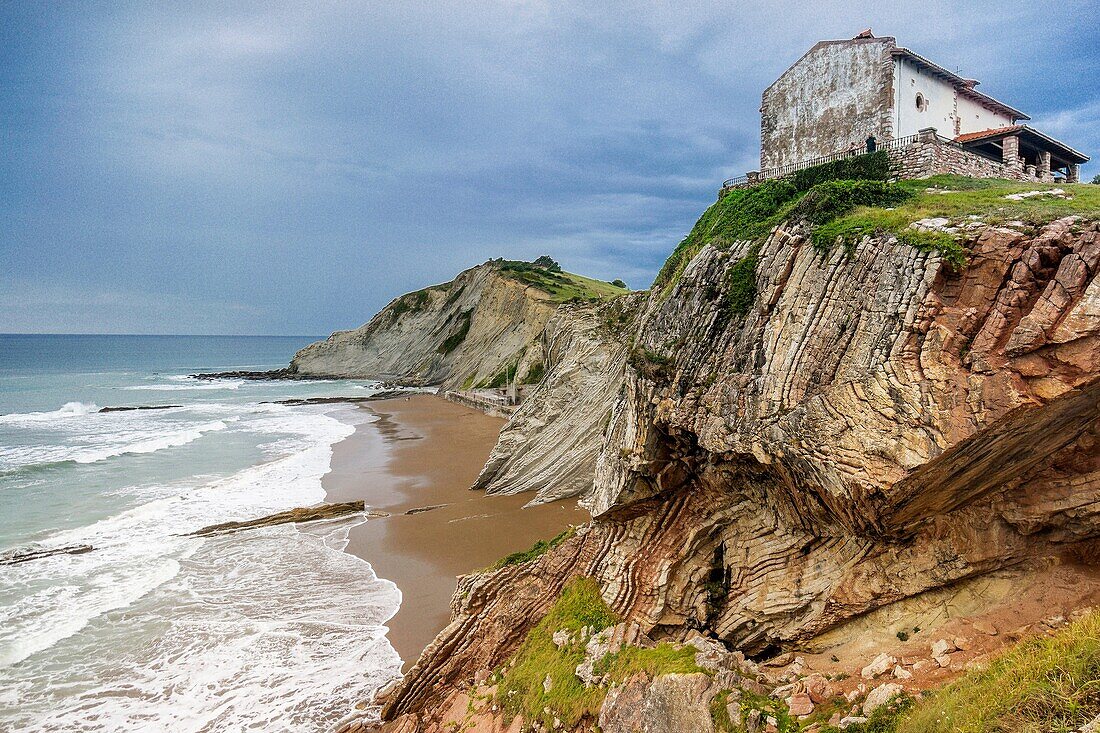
303, 514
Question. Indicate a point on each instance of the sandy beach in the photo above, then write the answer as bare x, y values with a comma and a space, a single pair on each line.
424, 451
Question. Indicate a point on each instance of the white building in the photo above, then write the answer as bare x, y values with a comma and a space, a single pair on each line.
844, 95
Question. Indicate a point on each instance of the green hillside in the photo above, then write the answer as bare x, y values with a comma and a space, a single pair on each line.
547, 275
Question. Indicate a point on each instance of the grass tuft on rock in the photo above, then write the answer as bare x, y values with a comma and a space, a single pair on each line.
538, 549
522, 691
541, 683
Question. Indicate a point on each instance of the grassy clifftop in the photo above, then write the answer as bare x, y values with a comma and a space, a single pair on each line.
848, 199
547, 276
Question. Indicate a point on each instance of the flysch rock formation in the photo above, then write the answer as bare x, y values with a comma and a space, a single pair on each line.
877, 426
550, 444
459, 333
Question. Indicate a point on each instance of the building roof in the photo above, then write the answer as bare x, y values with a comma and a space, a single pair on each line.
970, 137
962, 84
1029, 135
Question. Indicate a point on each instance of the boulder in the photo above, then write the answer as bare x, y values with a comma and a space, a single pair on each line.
878, 666
881, 695
671, 703
800, 704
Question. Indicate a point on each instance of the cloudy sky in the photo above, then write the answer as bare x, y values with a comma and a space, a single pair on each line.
288, 168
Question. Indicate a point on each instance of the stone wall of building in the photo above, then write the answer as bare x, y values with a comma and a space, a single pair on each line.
931, 155
833, 98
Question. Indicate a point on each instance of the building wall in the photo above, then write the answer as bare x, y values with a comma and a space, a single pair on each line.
939, 96
973, 117
932, 156
834, 97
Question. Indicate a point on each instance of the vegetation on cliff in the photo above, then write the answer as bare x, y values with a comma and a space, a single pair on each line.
546, 275
848, 199
536, 550
540, 682
750, 213
962, 201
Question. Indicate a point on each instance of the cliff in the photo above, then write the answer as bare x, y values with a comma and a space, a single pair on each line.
805, 432
478, 329
551, 443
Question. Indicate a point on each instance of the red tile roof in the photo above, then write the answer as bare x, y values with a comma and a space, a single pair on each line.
972, 136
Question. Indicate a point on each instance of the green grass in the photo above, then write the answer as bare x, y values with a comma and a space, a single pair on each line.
956, 198
751, 213
661, 659
559, 285
741, 282
849, 199
539, 548
1042, 685
885, 719
520, 690
410, 303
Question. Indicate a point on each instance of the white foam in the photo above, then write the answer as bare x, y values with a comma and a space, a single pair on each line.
68, 410
150, 445
273, 629
210, 384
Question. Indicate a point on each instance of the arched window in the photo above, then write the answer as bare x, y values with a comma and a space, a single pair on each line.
922, 103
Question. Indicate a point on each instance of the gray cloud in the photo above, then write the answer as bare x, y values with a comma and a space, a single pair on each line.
314, 160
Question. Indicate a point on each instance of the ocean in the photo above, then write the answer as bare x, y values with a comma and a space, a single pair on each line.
268, 629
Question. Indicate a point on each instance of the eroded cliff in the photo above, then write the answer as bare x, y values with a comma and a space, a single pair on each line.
550, 444
480, 329
872, 425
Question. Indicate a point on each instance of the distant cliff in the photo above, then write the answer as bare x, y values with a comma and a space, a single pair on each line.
475, 331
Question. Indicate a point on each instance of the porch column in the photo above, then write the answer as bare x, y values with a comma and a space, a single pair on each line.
1073, 173
1043, 169
1010, 151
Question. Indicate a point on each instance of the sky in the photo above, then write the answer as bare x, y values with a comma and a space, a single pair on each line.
288, 168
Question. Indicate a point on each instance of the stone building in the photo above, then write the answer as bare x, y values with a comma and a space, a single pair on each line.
868, 91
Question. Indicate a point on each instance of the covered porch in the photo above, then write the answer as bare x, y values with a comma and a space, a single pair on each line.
1025, 148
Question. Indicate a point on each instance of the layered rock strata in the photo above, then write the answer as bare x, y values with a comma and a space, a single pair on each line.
456, 335
550, 445
875, 426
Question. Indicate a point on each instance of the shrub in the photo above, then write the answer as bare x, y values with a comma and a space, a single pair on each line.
741, 282
535, 373
451, 342
651, 365
619, 284
827, 201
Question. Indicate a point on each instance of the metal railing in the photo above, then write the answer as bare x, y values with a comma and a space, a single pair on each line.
786, 170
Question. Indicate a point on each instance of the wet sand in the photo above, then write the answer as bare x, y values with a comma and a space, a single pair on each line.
421, 452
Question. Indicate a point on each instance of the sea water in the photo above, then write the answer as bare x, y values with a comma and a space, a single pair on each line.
269, 629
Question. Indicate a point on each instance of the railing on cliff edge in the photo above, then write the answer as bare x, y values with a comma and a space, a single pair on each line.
786, 170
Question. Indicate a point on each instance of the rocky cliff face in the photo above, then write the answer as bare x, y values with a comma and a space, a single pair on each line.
550, 445
461, 333
874, 426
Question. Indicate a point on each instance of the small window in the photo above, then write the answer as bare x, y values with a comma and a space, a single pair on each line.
922, 103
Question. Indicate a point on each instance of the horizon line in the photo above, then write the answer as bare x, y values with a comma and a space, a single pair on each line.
192, 335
